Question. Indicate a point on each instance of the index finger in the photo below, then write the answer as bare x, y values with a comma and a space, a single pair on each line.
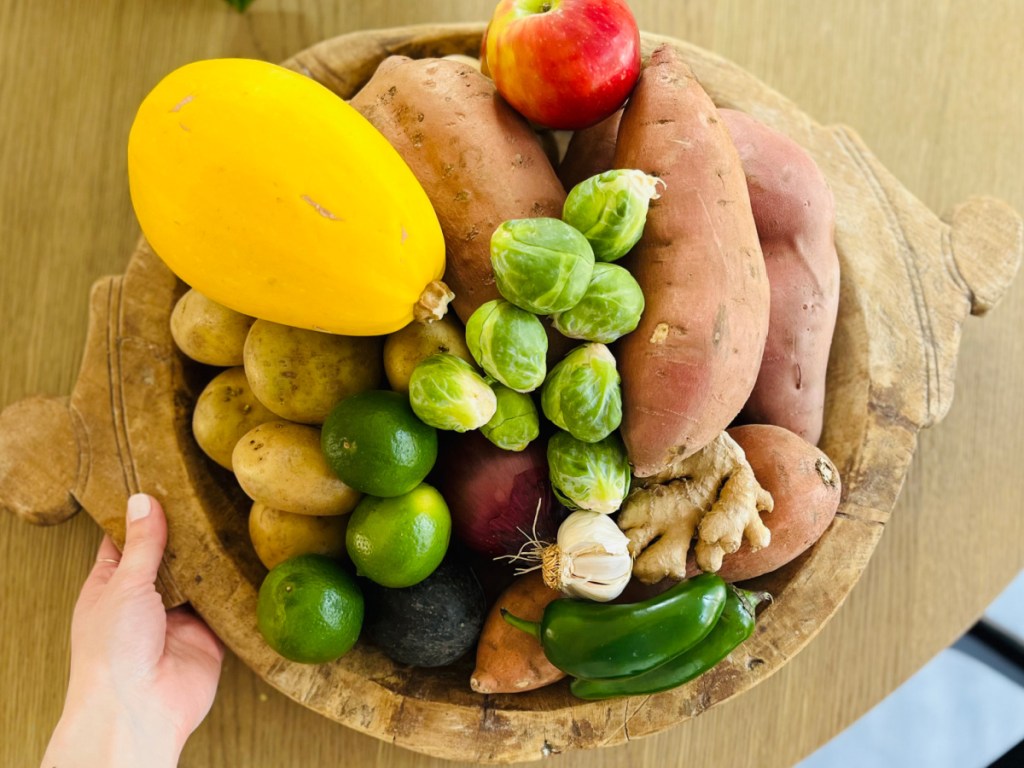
107, 559
108, 550
103, 569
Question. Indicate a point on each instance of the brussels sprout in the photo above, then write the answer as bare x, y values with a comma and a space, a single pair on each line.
446, 392
610, 209
592, 476
610, 308
541, 265
515, 423
582, 395
509, 343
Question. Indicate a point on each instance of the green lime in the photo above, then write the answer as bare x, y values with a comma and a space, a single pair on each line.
376, 444
399, 541
310, 609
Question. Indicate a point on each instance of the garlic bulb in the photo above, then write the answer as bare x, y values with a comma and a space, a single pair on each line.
591, 558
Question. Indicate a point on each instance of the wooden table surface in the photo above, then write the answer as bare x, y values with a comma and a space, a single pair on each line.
936, 89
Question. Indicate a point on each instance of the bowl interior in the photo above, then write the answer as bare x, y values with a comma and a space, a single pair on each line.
434, 710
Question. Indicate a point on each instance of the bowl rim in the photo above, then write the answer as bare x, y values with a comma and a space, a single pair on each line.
884, 386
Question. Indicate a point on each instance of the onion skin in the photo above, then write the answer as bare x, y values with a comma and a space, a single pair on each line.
493, 493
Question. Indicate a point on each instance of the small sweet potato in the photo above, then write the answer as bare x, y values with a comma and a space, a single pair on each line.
805, 488
509, 660
590, 151
690, 365
478, 160
795, 216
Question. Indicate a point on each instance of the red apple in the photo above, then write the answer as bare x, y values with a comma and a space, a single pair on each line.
484, 69
564, 64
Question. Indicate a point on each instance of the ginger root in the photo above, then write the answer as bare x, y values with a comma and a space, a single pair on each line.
712, 494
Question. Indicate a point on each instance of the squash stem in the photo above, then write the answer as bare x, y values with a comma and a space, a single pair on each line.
433, 302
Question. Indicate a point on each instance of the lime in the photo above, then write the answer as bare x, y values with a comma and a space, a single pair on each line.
310, 609
399, 541
376, 444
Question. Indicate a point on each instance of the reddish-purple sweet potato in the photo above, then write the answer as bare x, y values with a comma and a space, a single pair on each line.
795, 216
805, 489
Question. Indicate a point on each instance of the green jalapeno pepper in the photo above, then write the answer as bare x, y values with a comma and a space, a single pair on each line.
734, 626
600, 640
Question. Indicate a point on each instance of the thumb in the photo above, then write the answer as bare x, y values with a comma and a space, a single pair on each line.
145, 539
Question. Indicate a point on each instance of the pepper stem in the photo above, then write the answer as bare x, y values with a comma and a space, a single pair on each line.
530, 627
751, 600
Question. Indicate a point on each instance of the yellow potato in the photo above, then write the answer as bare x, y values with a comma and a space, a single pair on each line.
280, 464
404, 349
225, 411
300, 375
209, 332
278, 536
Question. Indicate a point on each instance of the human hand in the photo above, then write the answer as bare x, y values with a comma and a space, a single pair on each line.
142, 678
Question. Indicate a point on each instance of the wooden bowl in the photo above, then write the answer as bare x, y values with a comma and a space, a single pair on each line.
909, 280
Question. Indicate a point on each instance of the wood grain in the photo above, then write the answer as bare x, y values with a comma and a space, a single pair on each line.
906, 292
939, 127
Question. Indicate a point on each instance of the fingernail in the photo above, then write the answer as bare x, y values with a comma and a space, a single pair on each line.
139, 506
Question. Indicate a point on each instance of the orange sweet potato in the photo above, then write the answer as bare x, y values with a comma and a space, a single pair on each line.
690, 365
805, 487
590, 151
479, 161
795, 216
509, 660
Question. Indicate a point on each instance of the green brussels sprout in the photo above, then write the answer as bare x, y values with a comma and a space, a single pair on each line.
610, 209
515, 423
610, 308
582, 393
541, 265
446, 392
509, 343
592, 476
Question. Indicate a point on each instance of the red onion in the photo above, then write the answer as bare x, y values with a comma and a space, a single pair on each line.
493, 493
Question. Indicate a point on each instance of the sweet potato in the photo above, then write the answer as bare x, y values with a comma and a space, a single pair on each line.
590, 151
690, 365
509, 660
479, 161
795, 216
805, 487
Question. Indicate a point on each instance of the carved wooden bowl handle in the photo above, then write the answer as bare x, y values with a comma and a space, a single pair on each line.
987, 240
62, 454
41, 445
